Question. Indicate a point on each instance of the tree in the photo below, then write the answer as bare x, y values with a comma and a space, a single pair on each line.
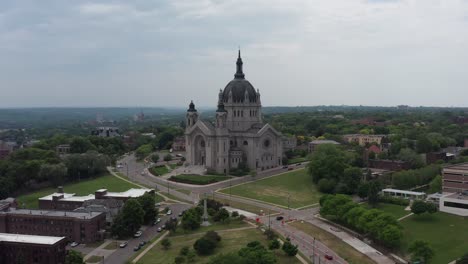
143, 151
55, 173
418, 207
128, 220
289, 248
204, 246
363, 190
234, 214
212, 235
373, 195
184, 251
168, 157
147, 202
326, 185
171, 225
390, 236
274, 244
351, 178
155, 158
422, 251
191, 219
328, 161
221, 215
81, 145
166, 244
256, 253
412, 157
74, 257
436, 184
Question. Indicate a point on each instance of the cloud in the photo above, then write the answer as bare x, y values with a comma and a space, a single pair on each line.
100, 9
153, 53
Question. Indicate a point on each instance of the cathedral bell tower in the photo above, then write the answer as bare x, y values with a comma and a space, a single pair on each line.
192, 115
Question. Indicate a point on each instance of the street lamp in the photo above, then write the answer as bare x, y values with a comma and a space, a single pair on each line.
289, 195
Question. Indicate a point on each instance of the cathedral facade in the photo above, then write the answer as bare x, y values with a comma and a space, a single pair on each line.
238, 137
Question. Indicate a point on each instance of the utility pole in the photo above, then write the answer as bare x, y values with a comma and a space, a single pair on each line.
313, 251
269, 220
289, 195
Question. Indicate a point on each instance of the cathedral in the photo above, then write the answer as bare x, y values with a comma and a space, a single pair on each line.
238, 135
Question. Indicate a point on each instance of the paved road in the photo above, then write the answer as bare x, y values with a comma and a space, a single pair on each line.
137, 171
121, 255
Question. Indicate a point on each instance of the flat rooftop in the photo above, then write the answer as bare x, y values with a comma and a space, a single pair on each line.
403, 192
456, 196
71, 197
461, 166
78, 215
29, 239
129, 193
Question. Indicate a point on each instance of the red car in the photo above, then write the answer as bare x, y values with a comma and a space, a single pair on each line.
328, 257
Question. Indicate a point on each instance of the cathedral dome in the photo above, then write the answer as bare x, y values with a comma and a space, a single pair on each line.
239, 88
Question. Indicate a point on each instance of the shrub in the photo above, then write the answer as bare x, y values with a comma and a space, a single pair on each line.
166, 243
393, 200
274, 244
204, 246
184, 251
234, 214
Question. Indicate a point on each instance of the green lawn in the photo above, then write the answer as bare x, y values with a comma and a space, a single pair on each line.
298, 184
198, 179
447, 234
337, 245
230, 241
243, 206
396, 210
159, 170
84, 187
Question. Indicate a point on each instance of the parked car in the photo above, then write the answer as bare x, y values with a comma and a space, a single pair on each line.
136, 248
279, 218
169, 212
74, 244
179, 155
174, 218
157, 205
123, 244
158, 220
182, 213
138, 234
328, 257
290, 168
159, 229
285, 167
142, 243
298, 164
163, 226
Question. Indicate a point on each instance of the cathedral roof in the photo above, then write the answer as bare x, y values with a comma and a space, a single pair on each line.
239, 87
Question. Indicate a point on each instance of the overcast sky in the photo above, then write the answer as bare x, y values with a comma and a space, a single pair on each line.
297, 52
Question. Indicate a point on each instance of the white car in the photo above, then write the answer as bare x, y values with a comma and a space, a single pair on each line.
74, 244
169, 212
123, 244
138, 234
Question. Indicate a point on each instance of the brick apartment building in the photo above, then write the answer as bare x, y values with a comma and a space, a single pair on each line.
390, 165
70, 201
74, 226
32, 249
455, 190
363, 139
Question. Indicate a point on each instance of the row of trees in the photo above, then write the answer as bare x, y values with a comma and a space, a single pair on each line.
32, 168
411, 178
382, 227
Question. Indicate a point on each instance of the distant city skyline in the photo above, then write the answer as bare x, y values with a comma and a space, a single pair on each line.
297, 52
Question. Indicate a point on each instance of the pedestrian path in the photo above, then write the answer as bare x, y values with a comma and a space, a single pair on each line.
100, 251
